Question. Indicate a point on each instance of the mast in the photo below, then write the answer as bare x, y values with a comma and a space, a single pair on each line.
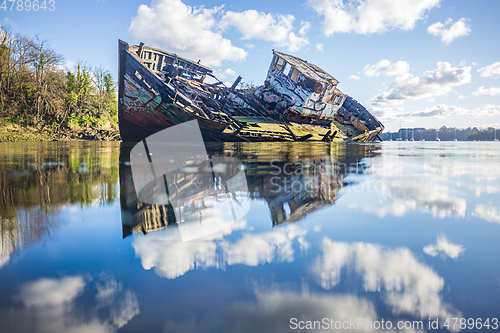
399, 139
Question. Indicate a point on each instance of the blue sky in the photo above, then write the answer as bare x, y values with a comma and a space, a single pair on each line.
416, 62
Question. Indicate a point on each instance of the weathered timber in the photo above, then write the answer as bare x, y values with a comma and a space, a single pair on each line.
298, 102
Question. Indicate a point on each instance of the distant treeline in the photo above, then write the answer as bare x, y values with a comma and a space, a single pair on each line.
444, 134
35, 90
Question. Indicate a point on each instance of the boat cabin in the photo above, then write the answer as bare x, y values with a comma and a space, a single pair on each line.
312, 91
170, 64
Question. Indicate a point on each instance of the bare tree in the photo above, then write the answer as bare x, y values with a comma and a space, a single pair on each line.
5, 55
99, 81
44, 61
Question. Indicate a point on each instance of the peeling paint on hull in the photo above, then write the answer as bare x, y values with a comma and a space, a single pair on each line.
150, 101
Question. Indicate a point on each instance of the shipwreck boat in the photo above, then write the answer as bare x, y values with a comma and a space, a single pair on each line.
298, 101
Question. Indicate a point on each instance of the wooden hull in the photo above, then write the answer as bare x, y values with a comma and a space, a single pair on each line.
148, 104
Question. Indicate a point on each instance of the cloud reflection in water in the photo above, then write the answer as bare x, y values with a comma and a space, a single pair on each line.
163, 251
53, 305
488, 212
408, 285
274, 308
437, 179
444, 246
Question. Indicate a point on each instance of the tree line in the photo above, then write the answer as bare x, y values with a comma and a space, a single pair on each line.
35, 90
444, 134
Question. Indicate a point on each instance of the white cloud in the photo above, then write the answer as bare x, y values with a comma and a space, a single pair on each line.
371, 16
251, 250
437, 82
446, 247
388, 114
8, 23
442, 110
255, 249
59, 68
222, 75
191, 31
436, 186
490, 124
106, 292
196, 31
10, 36
273, 28
50, 305
457, 29
52, 291
434, 199
488, 213
432, 187
124, 305
484, 188
385, 67
354, 77
397, 114
490, 71
319, 47
273, 308
230, 72
125, 309
304, 27
462, 97
155, 251
489, 91
409, 286
70, 65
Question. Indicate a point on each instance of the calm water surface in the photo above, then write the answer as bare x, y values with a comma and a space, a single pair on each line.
333, 233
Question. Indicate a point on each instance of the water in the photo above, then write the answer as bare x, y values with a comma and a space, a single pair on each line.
400, 232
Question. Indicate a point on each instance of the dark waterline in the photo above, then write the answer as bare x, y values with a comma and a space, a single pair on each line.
397, 231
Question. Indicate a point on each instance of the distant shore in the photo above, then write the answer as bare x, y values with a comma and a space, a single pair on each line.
13, 132
444, 134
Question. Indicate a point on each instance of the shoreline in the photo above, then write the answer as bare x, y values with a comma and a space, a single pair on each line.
13, 132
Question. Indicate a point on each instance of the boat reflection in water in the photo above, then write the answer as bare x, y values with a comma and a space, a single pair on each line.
294, 179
